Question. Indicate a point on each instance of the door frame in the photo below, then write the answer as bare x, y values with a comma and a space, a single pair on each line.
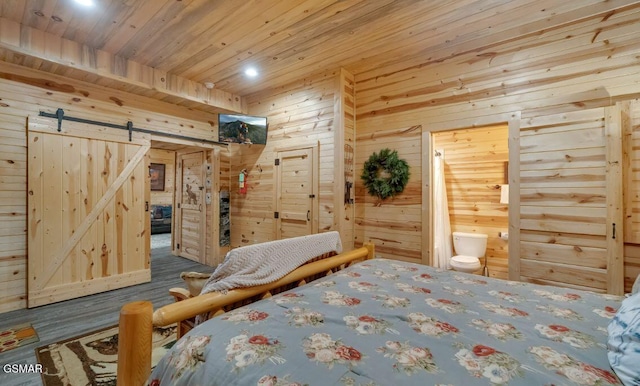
315, 182
513, 122
180, 146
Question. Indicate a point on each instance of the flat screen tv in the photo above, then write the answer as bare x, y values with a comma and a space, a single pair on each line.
244, 129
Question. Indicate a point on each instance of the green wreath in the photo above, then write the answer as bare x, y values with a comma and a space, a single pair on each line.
387, 161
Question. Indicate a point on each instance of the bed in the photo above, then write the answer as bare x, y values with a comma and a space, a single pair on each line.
386, 322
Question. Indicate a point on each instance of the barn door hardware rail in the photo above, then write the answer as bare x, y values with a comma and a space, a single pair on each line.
59, 115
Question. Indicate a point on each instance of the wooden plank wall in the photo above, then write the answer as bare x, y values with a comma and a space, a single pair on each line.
168, 158
475, 162
17, 101
299, 115
219, 161
394, 224
584, 64
85, 63
345, 150
631, 162
563, 208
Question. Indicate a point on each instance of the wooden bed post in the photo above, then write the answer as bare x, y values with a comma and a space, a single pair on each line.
134, 343
372, 250
137, 319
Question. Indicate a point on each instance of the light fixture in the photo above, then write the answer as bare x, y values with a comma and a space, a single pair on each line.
209, 85
251, 72
86, 3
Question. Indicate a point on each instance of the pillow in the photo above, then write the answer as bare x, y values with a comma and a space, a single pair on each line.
636, 286
623, 343
195, 281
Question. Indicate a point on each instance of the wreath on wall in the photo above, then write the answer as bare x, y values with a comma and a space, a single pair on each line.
386, 161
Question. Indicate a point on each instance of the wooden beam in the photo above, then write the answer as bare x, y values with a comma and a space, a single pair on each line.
134, 358
44, 46
338, 152
427, 199
514, 197
630, 236
189, 308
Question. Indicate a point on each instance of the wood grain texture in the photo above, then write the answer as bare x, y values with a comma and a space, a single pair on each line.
615, 202
167, 158
115, 225
137, 319
114, 70
386, 222
475, 168
344, 107
301, 115
17, 102
553, 80
439, 65
583, 219
170, 48
59, 321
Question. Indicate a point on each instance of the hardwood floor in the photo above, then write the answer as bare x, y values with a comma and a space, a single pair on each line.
66, 319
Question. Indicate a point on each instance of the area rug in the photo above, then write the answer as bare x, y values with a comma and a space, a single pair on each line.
91, 359
17, 336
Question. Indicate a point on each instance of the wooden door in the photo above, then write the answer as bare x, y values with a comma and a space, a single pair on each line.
191, 213
570, 223
296, 193
88, 230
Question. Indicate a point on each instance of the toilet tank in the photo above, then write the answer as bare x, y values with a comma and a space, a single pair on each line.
469, 244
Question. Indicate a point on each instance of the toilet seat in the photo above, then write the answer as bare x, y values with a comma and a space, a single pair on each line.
465, 263
466, 260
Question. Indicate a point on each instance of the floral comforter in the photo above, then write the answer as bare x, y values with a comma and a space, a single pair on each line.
385, 322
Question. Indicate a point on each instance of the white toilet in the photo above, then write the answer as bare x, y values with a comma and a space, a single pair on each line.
469, 248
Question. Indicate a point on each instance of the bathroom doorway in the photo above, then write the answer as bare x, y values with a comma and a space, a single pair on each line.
474, 164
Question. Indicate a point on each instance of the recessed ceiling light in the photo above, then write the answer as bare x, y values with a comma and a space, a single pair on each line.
251, 72
86, 3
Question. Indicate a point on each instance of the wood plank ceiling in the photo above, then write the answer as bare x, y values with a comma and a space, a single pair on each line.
216, 40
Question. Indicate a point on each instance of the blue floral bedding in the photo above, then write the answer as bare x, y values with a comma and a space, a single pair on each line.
384, 322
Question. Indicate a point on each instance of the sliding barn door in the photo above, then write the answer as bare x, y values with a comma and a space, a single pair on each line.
570, 200
296, 193
190, 199
87, 225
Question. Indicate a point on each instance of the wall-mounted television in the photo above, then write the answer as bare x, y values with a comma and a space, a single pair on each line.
244, 129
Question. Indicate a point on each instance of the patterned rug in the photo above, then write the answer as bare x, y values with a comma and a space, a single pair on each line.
91, 359
17, 336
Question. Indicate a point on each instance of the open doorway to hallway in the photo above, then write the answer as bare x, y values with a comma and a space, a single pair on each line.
162, 175
186, 203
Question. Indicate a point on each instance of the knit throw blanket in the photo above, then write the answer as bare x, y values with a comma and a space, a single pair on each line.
269, 261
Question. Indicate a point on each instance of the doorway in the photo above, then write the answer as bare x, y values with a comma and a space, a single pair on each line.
475, 162
162, 184
192, 190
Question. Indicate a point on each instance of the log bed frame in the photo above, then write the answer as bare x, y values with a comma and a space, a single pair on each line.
137, 319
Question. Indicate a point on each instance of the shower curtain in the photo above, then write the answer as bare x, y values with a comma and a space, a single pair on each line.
442, 226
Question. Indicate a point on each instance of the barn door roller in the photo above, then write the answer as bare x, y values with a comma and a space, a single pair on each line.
60, 116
